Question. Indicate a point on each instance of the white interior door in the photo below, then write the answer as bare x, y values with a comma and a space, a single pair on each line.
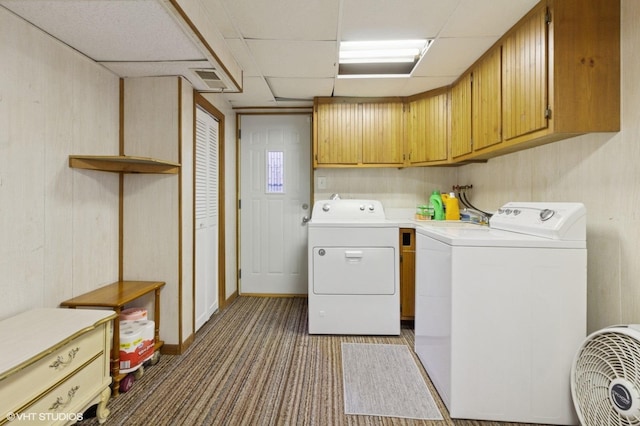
206, 221
275, 167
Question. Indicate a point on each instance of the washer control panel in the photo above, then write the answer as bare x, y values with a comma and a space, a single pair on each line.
549, 220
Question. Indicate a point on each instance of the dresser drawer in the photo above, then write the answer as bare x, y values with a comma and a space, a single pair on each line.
50, 369
65, 402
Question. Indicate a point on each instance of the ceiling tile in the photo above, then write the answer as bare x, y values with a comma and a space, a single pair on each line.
256, 92
218, 12
110, 30
424, 84
285, 19
452, 56
241, 53
390, 19
284, 58
300, 88
465, 20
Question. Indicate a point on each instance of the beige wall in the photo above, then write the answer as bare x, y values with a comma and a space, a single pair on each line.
395, 188
58, 226
151, 213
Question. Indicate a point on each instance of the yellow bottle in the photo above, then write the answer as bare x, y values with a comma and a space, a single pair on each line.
452, 208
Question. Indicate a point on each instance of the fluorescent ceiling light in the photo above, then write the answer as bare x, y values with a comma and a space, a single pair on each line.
380, 58
381, 51
373, 76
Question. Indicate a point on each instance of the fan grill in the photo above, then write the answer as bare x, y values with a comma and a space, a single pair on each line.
601, 360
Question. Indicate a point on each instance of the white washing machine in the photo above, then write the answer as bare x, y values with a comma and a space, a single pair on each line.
354, 269
501, 310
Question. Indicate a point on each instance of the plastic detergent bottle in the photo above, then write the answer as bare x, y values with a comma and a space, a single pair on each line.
436, 201
452, 207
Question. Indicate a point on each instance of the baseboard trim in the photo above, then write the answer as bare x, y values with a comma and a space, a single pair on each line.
274, 295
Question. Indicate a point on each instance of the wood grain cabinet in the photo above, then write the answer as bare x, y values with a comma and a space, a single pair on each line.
55, 365
407, 273
554, 75
427, 128
476, 115
461, 140
486, 90
560, 74
358, 132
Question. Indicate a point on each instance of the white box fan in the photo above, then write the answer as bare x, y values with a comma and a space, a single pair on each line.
605, 377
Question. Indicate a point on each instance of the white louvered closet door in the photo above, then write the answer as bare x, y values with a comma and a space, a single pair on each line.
206, 220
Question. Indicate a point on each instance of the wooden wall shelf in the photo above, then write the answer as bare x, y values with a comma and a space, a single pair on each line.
123, 164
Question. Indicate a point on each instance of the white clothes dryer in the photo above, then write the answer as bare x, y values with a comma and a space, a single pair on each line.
353, 269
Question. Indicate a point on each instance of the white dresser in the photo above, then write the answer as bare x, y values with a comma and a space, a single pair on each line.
54, 365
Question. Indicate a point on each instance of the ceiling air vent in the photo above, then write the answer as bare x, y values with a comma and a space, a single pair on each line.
211, 79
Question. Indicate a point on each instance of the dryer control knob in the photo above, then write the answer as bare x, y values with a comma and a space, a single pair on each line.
371, 208
326, 207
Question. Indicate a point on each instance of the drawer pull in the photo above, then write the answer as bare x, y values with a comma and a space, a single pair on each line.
61, 363
60, 403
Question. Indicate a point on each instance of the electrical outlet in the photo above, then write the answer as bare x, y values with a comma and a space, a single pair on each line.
322, 182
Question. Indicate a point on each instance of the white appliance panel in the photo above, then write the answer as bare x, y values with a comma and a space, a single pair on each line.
497, 324
433, 307
354, 270
354, 314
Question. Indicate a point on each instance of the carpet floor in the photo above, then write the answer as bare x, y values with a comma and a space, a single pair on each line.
255, 364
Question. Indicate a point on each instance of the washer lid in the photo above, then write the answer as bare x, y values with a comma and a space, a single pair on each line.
487, 237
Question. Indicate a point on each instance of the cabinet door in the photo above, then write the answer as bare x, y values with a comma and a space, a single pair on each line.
338, 134
524, 74
428, 128
461, 117
382, 133
407, 273
485, 104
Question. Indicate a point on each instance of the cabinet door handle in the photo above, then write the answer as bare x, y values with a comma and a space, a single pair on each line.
61, 403
60, 363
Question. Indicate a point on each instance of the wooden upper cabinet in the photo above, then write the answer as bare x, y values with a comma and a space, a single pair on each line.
584, 38
382, 133
552, 76
352, 132
485, 101
427, 128
476, 114
561, 72
338, 134
524, 74
461, 117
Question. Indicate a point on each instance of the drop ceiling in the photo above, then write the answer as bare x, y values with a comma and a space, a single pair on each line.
287, 49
